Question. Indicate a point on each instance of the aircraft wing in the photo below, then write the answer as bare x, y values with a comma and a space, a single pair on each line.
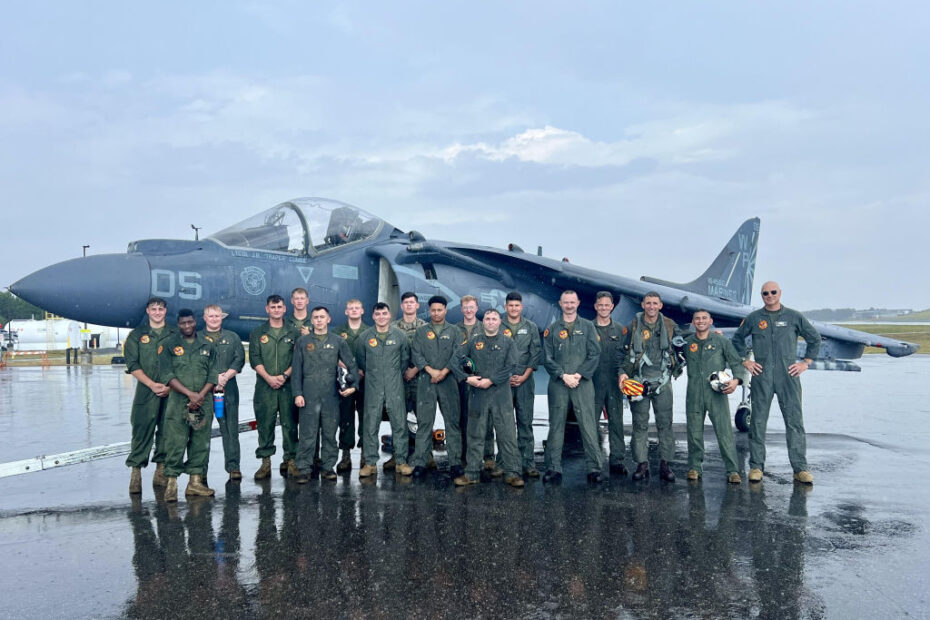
839, 344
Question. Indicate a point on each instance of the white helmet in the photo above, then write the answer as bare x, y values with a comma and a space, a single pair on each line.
718, 380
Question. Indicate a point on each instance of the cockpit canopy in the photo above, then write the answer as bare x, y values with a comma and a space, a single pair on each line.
302, 226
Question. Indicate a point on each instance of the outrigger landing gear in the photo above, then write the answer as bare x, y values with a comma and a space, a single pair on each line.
743, 412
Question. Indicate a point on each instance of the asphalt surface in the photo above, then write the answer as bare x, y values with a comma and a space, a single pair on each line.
854, 545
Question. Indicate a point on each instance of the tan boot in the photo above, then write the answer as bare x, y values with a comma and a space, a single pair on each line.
693, 474
389, 464
805, 477
497, 472
171, 489
135, 480
734, 478
292, 468
404, 469
265, 470
489, 464
159, 479
346, 463
755, 475
515, 481
367, 470
195, 486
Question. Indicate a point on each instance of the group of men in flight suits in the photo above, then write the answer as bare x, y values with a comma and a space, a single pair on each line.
480, 375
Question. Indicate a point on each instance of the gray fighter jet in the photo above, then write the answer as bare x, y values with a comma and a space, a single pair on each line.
339, 252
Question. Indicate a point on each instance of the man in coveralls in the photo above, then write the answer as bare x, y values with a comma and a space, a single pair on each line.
775, 330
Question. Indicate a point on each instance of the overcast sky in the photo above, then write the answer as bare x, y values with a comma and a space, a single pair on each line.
631, 137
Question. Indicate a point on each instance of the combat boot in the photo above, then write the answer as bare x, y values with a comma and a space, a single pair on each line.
489, 464
693, 474
665, 472
389, 465
755, 475
195, 486
642, 471
135, 480
515, 481
171, 489
292, 469
346, 463
159, 479
404, 469
497, 472
329, 475
463, 481
265, 470
804, 476
368, 470
734, 478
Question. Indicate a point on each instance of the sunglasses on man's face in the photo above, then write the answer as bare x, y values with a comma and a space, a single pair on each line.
767, 293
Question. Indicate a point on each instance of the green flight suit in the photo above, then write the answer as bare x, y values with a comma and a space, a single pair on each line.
410, 387
703, 358
274, 349
570, 348
607, 393
383, 357
229, 354
525, 336
647, 356
468, 331
434, 346
148, 410
775, 347
193, 363
314, 365
353, 404
495, 358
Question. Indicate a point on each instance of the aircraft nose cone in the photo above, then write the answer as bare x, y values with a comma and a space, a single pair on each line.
108, 289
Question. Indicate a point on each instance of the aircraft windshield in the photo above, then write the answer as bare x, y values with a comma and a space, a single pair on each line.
302, 225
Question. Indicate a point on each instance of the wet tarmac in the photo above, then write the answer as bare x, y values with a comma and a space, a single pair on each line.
855, 545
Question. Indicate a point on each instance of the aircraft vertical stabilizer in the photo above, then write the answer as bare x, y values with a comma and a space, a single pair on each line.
731, 274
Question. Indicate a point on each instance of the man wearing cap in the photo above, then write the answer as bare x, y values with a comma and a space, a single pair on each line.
707, 353
150, 399
571, 353
271, 350
230, 358
775, 330
187, 362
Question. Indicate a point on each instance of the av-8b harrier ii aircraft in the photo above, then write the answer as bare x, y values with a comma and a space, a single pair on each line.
339, 252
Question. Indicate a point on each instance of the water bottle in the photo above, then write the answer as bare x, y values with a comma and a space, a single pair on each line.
218, 401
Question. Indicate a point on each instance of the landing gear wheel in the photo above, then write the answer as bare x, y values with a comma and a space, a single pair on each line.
742, 418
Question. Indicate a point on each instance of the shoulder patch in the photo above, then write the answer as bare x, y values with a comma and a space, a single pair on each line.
563, 334
310, 346
145, 339
431, 335
507, 332
546, 333
693, 348
626, 330
763, 324
179, 351
160, 349
345, 335
372, 342
647, 334
479, 345
264, 339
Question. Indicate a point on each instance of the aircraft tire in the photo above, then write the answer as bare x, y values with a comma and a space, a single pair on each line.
742, 417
